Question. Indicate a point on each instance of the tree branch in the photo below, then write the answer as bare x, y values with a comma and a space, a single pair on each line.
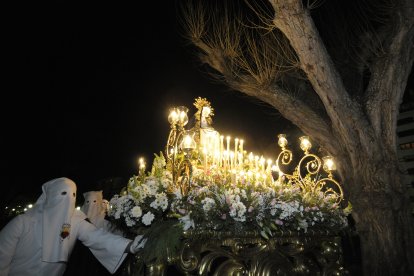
389, 75
346, 115
293, 109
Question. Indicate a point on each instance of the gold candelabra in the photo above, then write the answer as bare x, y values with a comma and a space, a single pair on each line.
309, 174
179, 149
202, 147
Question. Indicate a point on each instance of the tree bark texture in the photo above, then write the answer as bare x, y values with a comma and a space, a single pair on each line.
381, 207
382, 215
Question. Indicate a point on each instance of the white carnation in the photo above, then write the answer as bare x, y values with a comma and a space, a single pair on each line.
148, 218
136, 212
161, 201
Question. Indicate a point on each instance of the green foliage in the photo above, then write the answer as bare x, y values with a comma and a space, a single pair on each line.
163, 241
158, 165
348, 209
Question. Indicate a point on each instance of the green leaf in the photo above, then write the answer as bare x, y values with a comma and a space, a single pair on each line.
174, 215
163, 241
348, 209
264, 235
268, 231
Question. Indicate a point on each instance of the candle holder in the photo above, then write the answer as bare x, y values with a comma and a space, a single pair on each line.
202, 147
308, 174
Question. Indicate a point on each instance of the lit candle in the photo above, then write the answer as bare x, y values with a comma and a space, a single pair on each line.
251, 158
225, 158
236, 143
258, 175
231, 159
256, 162
240, 155
305, 144
241, 145
205, 159
233, 177
221, 149
187, 143
216, 158
262, 163
173, 116
282, 140
141, 163
269, 165
228, 143
328, 165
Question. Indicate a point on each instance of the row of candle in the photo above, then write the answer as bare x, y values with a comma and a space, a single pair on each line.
213, 153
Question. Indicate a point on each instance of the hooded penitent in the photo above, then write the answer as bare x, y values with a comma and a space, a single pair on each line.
94, 207
55, 207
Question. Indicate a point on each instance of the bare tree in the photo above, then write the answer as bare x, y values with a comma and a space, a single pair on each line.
337, 70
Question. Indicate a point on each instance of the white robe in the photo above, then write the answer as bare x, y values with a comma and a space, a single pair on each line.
21, 249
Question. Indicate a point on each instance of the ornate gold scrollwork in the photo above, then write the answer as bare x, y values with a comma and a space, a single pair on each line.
215, 253
308, 174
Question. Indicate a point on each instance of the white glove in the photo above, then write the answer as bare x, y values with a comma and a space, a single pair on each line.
137, 244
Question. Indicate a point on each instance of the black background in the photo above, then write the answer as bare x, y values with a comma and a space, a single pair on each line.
87, 90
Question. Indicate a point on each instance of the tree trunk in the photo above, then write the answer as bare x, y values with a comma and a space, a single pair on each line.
383, 220
383, 243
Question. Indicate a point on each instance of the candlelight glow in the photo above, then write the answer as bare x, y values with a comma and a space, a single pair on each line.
282, 142
188, 142
173, 116
328, 164
204, 150
305, 144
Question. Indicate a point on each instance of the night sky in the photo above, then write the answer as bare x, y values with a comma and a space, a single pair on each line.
88, 87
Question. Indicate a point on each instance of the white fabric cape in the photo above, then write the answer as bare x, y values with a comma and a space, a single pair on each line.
20, 247
32, 244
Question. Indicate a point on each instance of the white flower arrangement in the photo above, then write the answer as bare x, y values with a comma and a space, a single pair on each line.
215, 202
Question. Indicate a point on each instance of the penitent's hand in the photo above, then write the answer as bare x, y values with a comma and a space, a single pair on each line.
137, 244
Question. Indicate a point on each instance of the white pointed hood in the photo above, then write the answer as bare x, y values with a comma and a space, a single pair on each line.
55, 207
93, 207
